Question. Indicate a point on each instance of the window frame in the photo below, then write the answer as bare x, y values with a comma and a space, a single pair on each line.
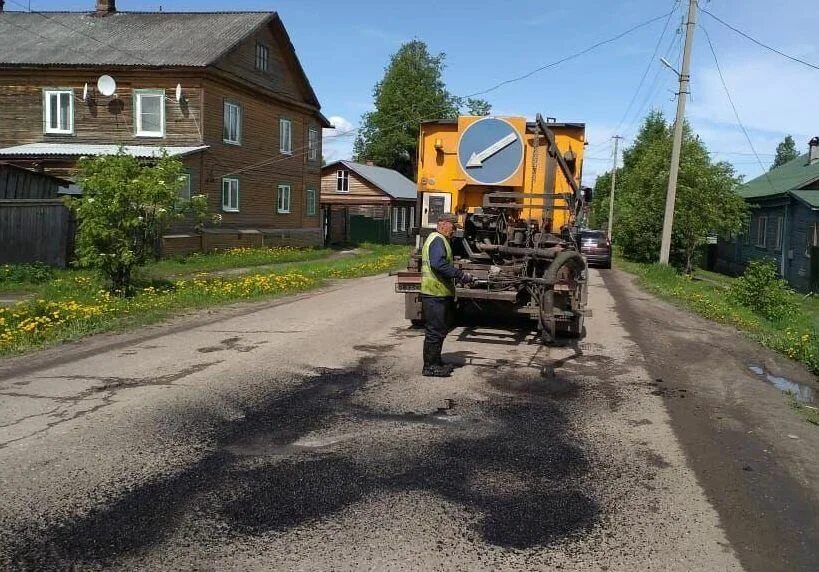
312, 144
262, 49
228, 104
411, 217
279, 203
57, 91
780, 233
189, 180
310, 207
282, 122
228, 208
343, 177
761, 221
138, 95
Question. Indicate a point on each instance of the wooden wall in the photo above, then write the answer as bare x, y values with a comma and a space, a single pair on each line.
38, 230
18, 183
360, 189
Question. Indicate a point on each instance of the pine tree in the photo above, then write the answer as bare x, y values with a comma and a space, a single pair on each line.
785, 152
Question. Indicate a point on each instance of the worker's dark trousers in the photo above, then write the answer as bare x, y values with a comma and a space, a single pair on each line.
438, 319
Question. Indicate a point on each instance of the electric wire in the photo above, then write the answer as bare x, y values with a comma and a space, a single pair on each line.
734, 107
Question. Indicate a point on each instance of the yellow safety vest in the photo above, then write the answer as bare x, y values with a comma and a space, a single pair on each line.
433, 284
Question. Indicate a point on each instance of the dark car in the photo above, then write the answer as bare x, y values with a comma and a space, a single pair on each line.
596, 247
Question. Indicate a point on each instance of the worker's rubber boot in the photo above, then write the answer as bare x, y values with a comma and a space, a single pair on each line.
439, 360
431, 368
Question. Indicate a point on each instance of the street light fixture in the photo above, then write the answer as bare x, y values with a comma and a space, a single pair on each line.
667, 64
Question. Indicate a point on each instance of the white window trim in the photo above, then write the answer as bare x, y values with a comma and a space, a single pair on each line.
312, 144
227, 207
47, 93
138, 93
761, 237
395, 219
411, 217
227, 106
280, 208
343, 176
288, 150
188, 181
403, 219
310, 202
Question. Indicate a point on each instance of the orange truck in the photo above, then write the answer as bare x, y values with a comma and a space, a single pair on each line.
515, 187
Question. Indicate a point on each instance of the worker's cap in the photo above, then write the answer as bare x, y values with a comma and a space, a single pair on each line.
448, 218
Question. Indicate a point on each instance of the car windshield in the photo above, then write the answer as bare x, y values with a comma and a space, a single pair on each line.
593, 235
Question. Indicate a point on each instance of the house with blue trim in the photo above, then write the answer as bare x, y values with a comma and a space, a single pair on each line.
783, 223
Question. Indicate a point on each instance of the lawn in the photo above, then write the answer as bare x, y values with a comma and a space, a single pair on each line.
75, 303
707, 295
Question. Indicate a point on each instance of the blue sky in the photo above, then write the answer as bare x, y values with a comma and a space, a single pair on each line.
344, 46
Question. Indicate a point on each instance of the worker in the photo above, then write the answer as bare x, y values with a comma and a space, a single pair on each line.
438, 277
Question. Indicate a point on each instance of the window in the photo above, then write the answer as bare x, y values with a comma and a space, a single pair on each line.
747, 235
285, 136
150, 113
262, 57
233, 124
395, 219
412, 217
58, 108
312, 144
780, 231
230, 195
283, 203
343, 182
399, 219
310, 199
185, 189
761, 231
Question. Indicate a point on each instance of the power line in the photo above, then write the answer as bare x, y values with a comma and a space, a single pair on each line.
759, 43
651, 62
734, 107
571, 57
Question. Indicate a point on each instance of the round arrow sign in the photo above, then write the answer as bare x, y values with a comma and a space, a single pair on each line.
490, 151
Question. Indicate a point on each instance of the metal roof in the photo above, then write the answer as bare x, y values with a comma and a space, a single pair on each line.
785, 179
123, 38
391, 182
79, 149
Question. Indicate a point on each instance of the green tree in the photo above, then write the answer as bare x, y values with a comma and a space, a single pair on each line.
706, 200
785, 151
124, 209
411, 90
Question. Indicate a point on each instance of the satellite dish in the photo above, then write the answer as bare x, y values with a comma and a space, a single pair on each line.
178, 92
106, 85
85, 92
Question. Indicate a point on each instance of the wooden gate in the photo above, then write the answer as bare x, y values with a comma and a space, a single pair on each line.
35, 230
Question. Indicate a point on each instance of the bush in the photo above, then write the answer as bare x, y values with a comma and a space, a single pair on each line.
761, 290
35, 273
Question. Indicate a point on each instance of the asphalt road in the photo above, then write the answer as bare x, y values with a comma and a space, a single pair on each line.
300, 435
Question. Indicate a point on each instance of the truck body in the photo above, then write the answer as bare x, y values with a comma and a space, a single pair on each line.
515, 187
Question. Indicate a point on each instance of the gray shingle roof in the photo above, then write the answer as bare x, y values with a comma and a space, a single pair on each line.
123, 38
391, 182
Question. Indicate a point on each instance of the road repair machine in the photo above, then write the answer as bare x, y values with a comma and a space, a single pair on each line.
514, 186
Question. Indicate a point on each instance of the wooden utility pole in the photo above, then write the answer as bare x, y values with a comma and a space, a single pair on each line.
613, 180
670, 198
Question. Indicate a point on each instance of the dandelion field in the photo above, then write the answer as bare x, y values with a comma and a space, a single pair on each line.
76, 303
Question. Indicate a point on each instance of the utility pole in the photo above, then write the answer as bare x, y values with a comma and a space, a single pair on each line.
670, 198
613, 179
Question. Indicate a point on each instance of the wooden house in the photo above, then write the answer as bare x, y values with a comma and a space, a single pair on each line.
364, 203
224, 92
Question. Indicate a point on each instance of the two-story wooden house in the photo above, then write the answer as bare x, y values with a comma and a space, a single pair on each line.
225, 92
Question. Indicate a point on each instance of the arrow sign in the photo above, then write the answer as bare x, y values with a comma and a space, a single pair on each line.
477, 159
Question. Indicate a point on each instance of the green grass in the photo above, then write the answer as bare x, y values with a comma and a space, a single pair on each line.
795, 338
809, 413
75, 303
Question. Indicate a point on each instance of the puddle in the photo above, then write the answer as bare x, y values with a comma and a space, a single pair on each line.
802, 393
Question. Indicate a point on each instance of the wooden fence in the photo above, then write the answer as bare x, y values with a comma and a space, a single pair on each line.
35, 230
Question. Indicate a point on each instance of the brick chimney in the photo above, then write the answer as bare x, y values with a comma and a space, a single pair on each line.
813, 151
106, 7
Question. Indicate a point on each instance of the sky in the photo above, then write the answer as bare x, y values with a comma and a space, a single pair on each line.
345, 45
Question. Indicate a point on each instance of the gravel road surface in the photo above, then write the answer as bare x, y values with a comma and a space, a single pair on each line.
300, 435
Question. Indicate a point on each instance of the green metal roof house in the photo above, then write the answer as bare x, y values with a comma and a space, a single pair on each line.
784, 222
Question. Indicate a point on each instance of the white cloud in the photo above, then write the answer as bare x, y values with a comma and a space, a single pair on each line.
338, 141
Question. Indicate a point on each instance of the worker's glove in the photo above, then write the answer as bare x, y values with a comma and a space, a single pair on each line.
467, 278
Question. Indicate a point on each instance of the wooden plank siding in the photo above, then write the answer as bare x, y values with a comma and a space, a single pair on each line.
18, 183
361, 191
36, 230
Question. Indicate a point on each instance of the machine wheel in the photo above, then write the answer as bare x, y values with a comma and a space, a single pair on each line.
575, 328
548, 324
